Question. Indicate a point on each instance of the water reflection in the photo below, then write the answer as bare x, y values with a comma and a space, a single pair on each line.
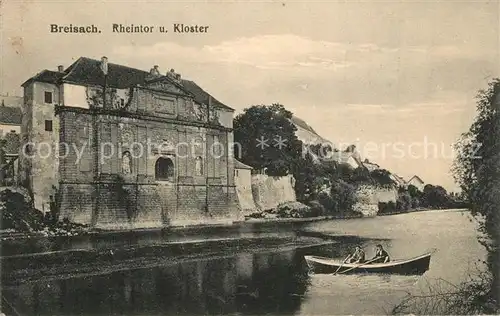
276, 282
246, 283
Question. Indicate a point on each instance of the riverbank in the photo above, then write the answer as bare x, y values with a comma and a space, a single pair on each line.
404, 211
9, 235
17, 269
423, 210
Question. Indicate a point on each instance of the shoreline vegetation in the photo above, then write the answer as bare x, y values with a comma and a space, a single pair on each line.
479, 180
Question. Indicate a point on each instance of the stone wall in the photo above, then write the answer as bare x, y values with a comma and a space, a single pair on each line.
368, 198
269, 192
243, 183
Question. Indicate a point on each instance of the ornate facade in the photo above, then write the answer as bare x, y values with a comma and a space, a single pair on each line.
155, 151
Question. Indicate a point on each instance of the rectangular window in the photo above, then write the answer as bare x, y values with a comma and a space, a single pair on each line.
48, 125
48, 97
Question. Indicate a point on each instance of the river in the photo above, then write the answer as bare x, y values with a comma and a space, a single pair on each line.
269, 281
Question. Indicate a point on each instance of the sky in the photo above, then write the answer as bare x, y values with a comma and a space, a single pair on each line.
397, 79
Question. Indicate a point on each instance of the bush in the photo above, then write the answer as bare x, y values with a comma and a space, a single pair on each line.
403, 202
471, 297
327, 202
293, 210
17, 212
317, 209
386, 207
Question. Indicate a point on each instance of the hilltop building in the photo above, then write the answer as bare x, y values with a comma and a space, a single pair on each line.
115, 147
306, 133
371, 166
417, 182
399, 181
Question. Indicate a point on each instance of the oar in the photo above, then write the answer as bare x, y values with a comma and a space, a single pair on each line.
362, 264
341, 265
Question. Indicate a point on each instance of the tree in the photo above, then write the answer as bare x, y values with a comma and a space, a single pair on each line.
306, 184
477, 171
267, 139
344, 196
361, 175
435, 196
382, 177
414, 191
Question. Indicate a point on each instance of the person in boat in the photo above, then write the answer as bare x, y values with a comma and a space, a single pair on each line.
358, 256
381, 256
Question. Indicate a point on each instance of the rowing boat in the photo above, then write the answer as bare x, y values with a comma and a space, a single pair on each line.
412, 266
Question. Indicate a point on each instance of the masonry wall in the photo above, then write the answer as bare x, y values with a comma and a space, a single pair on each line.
243, 183
269, 192
118, 199
368, 198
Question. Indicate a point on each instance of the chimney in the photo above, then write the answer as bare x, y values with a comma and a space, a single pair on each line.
60, 68
104, 65
210, 101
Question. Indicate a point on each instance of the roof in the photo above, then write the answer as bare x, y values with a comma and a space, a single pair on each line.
239, 165
45, 76
87, 71
10, 115
201, 96
417, 178
398, 179
301, 124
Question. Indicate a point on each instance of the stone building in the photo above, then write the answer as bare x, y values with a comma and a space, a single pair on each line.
156, 150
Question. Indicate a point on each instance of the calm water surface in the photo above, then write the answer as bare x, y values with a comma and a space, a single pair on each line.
276, 282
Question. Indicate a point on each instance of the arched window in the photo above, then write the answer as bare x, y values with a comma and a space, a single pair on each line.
198, 166
126, 163
164, 169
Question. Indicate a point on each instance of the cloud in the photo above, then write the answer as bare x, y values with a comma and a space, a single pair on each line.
264, 52
432, 107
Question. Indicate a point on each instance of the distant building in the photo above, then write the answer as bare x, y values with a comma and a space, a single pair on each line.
306, 134
350, 156
10, 115
94, 102
349, 159
370, 166
10, 127
399, 181
417, 182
